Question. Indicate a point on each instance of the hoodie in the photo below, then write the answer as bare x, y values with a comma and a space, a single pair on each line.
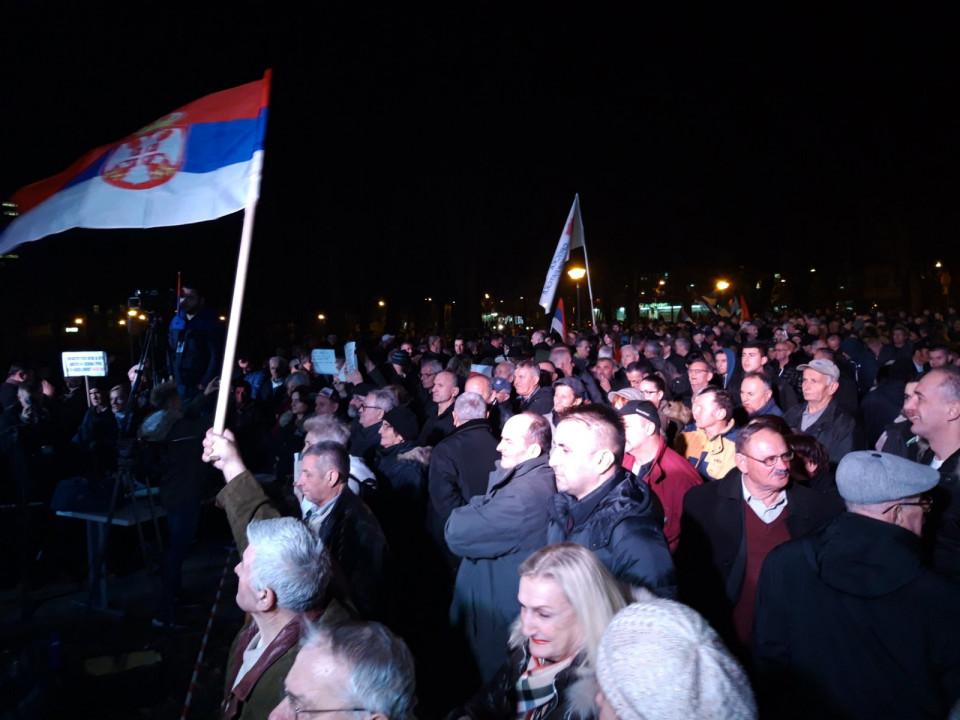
731, 366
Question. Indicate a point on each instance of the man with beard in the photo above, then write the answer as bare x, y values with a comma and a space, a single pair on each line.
495, 532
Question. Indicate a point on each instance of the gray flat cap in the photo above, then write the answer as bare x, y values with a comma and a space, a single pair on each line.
822, 366
628, 393
865, 477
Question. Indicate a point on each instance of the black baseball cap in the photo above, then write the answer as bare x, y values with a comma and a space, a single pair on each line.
644, 408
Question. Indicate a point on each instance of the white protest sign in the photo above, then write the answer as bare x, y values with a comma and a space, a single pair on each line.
350, 357
84, 363
324, 362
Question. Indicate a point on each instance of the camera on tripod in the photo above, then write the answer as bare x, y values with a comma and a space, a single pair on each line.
152, 300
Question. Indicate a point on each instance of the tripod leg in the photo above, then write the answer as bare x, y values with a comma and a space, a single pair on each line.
99, 547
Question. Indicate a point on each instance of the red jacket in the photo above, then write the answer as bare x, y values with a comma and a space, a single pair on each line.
669, 476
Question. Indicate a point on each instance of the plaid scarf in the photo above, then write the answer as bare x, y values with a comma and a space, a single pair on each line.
536, 690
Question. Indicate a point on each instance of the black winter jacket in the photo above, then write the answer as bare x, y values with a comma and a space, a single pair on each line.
850, 624
622, 524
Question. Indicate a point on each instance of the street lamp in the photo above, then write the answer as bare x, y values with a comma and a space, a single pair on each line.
576, 274
722, 285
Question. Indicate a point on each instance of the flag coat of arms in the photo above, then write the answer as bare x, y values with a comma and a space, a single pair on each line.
193, 164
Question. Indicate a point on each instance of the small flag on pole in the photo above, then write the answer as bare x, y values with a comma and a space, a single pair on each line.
191, 165
559, 322
744, 309
571, 237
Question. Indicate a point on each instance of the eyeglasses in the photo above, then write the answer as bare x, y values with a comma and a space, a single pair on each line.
772, 460
369, 407
298, 711
924, 502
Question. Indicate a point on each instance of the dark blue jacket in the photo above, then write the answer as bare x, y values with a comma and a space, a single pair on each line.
195, 349
623, 525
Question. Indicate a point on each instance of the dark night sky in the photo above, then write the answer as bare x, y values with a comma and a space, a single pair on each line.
413, 153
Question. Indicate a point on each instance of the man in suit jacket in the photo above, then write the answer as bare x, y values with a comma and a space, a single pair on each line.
729, 526
530, 396
341, 520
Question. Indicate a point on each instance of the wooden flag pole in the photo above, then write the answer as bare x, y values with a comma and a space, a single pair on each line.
236, 305
240, 282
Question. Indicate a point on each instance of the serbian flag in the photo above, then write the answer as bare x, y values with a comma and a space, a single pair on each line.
559, 322
196, 163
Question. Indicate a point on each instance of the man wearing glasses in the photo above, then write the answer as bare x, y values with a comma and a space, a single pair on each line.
357, 670
850, 622
730, 525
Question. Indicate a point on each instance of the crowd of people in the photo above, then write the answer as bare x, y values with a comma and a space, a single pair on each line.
728, 520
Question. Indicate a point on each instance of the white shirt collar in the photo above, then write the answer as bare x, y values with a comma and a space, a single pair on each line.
766, 514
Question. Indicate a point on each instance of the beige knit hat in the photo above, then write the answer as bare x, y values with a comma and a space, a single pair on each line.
659, 660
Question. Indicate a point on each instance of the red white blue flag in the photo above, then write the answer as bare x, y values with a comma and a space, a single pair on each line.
194, 164
559, 321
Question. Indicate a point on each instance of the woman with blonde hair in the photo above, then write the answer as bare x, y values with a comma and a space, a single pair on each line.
567, 599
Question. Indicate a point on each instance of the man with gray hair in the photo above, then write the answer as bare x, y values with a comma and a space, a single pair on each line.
283, 573
324, 428
495, 532
429, 369
365, 432
850, 622
340, 519
350, 667
460, 464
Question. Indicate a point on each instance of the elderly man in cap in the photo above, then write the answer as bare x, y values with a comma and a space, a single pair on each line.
849, 621
648, 457
819, 414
